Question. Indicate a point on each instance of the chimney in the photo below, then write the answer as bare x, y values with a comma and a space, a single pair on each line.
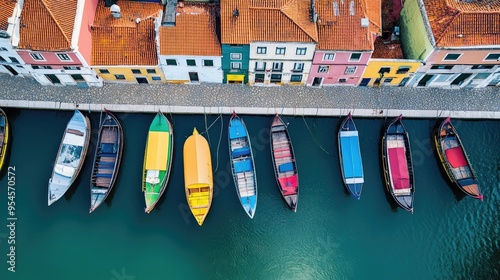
364, 22
115, 11
312, 12
169, 13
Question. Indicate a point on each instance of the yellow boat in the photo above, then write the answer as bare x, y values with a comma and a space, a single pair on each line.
4, 137
198, 179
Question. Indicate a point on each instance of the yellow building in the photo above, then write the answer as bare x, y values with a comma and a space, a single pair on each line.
132, 74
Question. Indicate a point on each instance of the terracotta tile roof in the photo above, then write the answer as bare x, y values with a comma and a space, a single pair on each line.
123, 41
339, 30
235, 30
387, 49
193, 34
6, 10
459, 23
267, 20
47, 25
374, 12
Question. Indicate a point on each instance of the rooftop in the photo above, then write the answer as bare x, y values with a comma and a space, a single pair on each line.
194, 33
6, 10
388, 45
56, 18
129, 40
458, 23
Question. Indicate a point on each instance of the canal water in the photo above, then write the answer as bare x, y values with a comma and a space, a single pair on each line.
332, 235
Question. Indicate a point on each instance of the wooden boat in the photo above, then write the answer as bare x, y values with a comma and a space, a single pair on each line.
157, 160
350, 157
4, 137
198, 178
70, 157
285, 168
242, 164
455, 161
397, 164
107, 159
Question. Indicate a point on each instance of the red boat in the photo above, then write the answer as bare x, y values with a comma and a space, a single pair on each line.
284, 164
455, 161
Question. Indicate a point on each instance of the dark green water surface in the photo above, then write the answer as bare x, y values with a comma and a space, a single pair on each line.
332, 235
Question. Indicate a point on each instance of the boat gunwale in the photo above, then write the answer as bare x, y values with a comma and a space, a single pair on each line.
348, 118
5, 142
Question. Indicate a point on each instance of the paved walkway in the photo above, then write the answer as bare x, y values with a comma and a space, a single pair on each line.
288, 100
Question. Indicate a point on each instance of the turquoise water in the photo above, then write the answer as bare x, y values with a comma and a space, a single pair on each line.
332, 235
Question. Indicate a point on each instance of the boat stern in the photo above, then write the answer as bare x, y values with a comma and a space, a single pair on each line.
292, 201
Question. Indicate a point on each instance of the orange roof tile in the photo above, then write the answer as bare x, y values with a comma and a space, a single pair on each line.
267, 20
6, 10
340, 28
122, 41
460, 23
387, 49
374, 12
193, 34
47, 25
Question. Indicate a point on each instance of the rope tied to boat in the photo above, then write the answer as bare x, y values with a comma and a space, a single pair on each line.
208, 136
314, 138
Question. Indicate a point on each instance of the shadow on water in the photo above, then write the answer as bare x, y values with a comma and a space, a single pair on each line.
394, 206
457, 193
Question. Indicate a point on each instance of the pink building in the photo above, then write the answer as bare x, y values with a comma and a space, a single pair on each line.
346, 30
61, 54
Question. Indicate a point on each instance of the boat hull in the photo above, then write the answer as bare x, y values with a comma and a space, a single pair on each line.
285, 167
398, 165
351, 165
242, 164
157, 160
70, 156
4, 138
198, 178
455, 161
107, 160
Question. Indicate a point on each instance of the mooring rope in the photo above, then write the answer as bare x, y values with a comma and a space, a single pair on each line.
314, 138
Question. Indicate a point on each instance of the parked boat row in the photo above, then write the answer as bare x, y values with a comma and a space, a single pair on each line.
198, 178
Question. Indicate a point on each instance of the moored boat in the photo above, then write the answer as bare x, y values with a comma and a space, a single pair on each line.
350, 157
285, 167
157, 160
70, 156
242, 164
455, 160
198, 178
107, 159
398, 165
4, 137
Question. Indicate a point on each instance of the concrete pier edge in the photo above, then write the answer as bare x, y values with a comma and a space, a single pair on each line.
322, 112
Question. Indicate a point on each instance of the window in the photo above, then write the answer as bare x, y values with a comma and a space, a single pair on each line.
328, 56
236, 56
63, 56
260, 66
343, 80
487, 66
191, 62
403, 70
493, 56
452, 56
323, 69
3, 49
384, 70
301, 51
136, 71
387, 81
355, 57
443, 78
275, 78
41, 67
235, 45
172, 62
120, 77
78, 77
2, 59
280, 50
298, 67
37, 56
13, 59
261, 50
71, 68
296, 78
438, 66
235, 65
259, 78
151, 71
482, 76
155, 78
278, 66
104, 71
208, 62
350, 70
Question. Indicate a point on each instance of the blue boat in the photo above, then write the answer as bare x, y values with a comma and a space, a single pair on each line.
350, 157
242, 164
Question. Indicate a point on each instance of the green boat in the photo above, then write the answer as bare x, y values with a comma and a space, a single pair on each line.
157, 160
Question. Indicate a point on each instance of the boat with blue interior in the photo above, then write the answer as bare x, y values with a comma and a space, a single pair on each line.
351, 164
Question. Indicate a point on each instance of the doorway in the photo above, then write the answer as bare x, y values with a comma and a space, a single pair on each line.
364, 82
423, 82
317, 82
53, 79
11, 70
141, 80
460, 79
193, 77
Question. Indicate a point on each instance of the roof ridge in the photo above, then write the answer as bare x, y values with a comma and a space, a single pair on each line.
282, 10
454, 17
56, 22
